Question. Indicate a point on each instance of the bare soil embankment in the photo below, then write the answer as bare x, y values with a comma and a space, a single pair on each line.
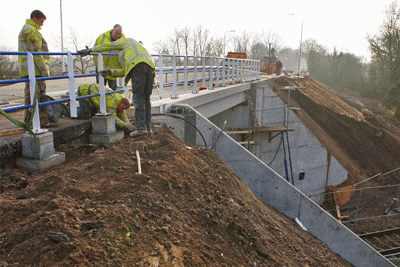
186, 209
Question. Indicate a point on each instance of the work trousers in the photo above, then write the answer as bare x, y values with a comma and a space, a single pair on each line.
142, 79
41, 85
110, 83
86, 110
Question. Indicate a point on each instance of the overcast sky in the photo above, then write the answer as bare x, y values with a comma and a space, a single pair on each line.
343, 24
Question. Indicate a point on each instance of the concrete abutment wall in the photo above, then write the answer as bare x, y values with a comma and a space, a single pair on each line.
275, 191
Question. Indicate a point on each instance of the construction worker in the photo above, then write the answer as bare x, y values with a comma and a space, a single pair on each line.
116, 105
137, 66
109, 62
31, 40
278, 70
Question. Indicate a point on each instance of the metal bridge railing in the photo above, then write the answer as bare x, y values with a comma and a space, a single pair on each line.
207, 71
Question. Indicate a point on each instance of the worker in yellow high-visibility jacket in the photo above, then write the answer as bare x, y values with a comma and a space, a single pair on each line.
109, 62
116, 105
31, 40
138, 67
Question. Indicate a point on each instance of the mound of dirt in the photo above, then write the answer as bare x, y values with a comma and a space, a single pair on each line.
187, 208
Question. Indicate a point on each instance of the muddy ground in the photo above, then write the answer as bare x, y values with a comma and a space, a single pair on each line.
187, 208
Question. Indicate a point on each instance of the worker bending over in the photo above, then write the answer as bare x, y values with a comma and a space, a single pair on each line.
137, 66
109, 62
116, 105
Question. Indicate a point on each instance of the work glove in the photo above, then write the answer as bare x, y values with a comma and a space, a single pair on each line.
105, 73
46, 72
84, 52
129, 126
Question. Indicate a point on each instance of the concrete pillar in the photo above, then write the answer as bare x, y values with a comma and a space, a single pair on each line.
38, 152
104, 131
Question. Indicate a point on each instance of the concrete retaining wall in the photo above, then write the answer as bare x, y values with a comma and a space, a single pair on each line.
275, 191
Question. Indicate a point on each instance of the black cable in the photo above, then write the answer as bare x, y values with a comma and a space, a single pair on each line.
178, 117
277, 151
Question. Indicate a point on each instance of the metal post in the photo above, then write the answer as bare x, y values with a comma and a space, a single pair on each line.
160, 77
253, 68
174, 80
238, 70
228, 69
195, 90
250, 62
103, 107
246, 70
223, 72
301, 41
219, 71
203, 82
185, 73
241, 70
32, 90
269, 57
71, 79
211, 87
232, 70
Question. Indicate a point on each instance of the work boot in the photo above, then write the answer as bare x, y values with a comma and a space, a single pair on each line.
138, 133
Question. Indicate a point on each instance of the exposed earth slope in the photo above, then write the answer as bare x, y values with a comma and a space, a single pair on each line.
186, 209
360, 136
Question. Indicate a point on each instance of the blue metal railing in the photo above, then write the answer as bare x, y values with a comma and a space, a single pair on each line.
224, 71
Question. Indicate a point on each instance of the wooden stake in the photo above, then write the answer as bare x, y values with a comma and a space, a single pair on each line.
138, 162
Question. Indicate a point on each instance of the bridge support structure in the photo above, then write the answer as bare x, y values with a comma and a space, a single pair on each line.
38, 153
104, 131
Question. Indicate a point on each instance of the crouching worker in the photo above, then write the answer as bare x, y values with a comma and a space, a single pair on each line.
116, 105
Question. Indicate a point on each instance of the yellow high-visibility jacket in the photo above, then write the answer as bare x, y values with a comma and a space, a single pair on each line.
30, 39
109, 62
130, 53
112, 102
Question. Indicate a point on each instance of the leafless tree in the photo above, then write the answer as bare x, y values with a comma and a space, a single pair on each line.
74, 43
202, 38
185, 40
196, 42
8, 65
263, 43
242, 42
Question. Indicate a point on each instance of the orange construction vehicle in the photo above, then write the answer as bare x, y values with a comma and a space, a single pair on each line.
241, 55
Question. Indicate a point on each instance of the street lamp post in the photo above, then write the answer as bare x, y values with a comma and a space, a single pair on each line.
62, 39
225, 39
301, 42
